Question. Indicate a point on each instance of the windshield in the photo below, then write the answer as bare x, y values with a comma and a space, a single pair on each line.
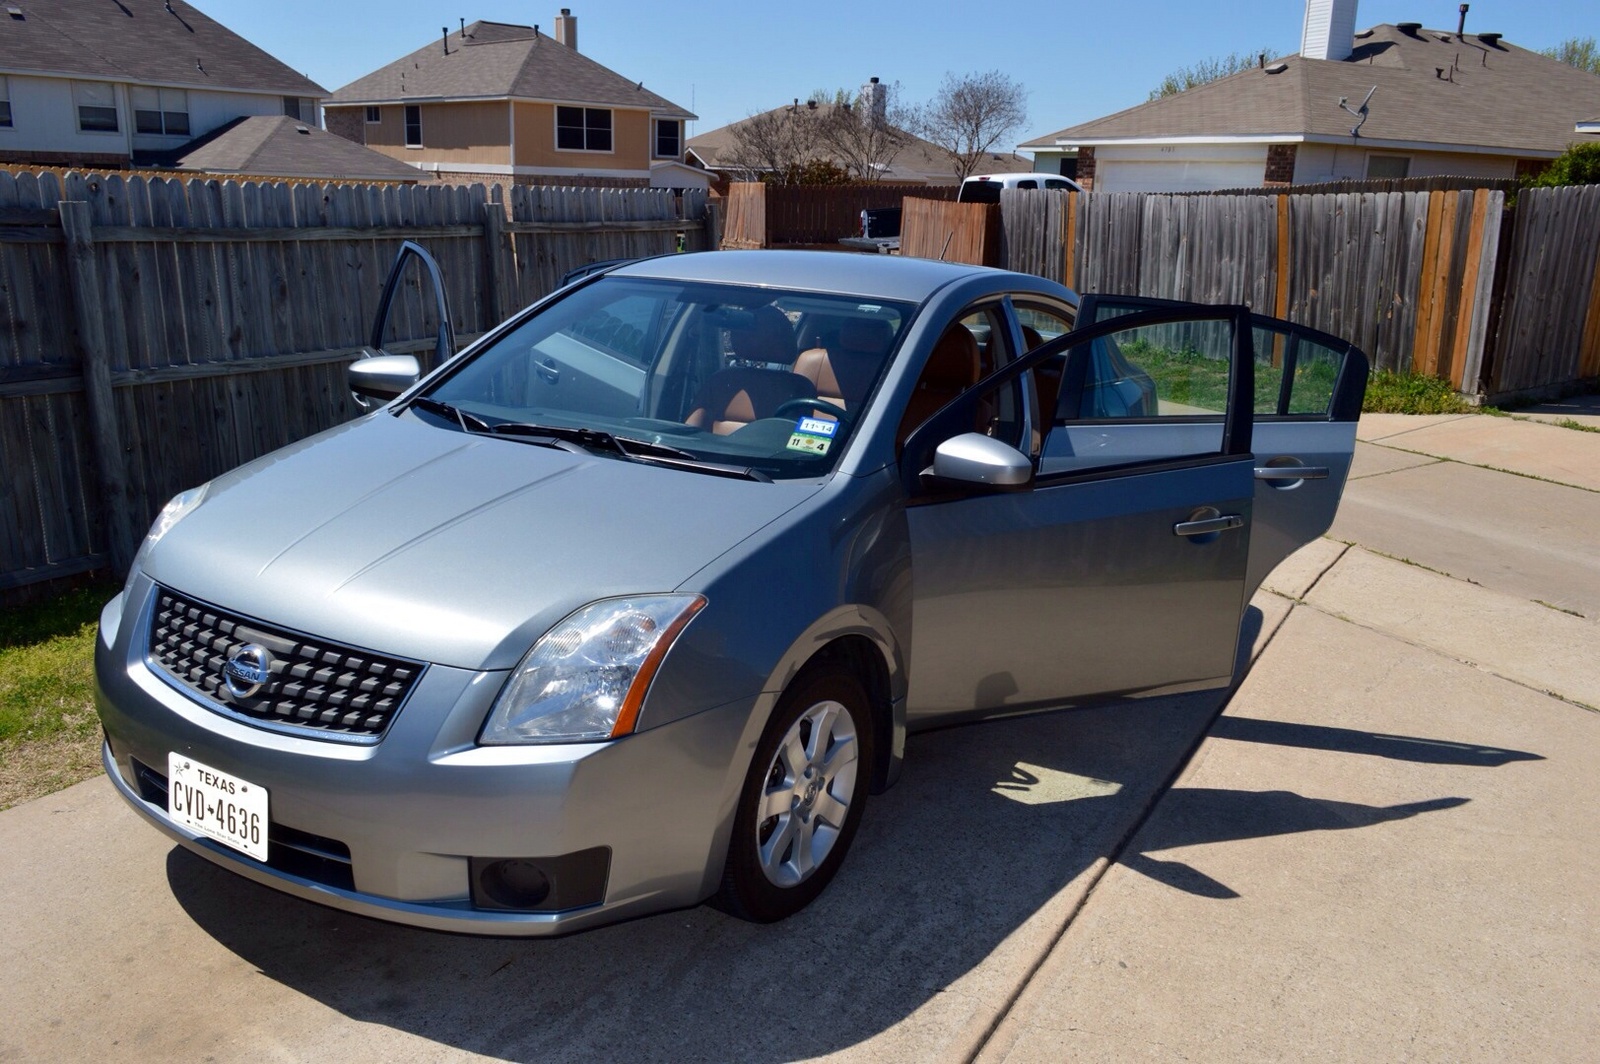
684, 372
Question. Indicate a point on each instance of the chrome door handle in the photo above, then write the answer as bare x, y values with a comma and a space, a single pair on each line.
1291, 472
1208, 525
552, 373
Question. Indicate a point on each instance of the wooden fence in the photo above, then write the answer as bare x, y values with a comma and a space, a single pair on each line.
953, 232
1500, 301
768, 216
156, 333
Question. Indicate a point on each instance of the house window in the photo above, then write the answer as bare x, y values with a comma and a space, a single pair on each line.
5, 102
413, 126
374, 116
583, 129
669, 139
1388, 167
97, 106
161, 112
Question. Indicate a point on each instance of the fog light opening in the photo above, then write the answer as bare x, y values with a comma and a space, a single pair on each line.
514, 883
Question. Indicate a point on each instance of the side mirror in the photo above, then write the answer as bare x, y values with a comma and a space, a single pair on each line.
381, 377
973, 458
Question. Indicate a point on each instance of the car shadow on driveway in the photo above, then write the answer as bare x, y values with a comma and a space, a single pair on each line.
960, 864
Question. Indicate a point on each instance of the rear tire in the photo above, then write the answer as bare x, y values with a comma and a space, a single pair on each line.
802, 798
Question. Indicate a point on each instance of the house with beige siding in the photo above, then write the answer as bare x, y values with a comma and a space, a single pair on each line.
498, 102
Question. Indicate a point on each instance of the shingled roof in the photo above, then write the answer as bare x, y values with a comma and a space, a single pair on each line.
495, 60
1433, 88
147, 42
919, 161
277, 146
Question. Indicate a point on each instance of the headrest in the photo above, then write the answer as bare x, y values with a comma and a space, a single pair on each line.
953, 363
865, 336
768, 338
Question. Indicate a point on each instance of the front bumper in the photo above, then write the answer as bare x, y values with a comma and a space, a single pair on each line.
414, 810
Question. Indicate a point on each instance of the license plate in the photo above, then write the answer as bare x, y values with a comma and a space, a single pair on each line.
219, 806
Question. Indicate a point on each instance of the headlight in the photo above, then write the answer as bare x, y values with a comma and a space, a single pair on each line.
177, 508
585, 679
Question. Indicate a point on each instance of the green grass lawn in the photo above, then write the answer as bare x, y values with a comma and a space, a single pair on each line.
49, 734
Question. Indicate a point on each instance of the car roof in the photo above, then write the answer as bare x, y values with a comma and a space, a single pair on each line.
891, 277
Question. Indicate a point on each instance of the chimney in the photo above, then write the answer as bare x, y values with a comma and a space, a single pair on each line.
1330, 29
567, 29
874, 103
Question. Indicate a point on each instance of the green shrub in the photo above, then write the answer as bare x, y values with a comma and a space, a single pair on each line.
1409, 393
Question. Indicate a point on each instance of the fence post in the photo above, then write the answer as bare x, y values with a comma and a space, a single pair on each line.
494, 246
713, 231
84, 283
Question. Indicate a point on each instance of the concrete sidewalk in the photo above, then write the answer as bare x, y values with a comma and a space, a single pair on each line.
1383, 849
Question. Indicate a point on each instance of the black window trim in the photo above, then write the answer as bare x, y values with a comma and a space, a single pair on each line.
610, 130
677, 138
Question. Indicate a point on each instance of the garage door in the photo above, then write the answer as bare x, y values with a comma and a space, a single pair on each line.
1177, 175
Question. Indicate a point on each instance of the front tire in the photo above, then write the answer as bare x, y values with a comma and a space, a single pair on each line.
802, 798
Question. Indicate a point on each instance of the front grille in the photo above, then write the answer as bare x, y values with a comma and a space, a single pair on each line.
310, 684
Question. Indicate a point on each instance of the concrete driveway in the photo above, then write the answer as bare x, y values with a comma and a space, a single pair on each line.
1383, 849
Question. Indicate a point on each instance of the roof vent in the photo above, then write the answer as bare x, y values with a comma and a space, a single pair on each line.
302, 129
1410, 29
16, 13
1363, 35
1490, 38
1277, 68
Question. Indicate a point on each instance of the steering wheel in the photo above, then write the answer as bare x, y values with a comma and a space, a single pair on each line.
796, 405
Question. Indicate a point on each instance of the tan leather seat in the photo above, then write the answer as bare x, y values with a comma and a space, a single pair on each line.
732, 398
843, 375
951, 369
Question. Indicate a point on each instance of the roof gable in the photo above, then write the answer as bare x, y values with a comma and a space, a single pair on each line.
140, 41
920, 160
277, 146
1431, 87
496, 60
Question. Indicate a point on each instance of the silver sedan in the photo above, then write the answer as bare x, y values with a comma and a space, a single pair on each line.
631, 604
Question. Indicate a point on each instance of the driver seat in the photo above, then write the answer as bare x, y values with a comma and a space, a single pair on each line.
732, 398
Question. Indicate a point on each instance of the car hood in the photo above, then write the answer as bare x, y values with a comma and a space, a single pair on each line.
396, 536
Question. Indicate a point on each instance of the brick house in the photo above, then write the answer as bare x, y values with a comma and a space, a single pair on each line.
92, 83
497, 101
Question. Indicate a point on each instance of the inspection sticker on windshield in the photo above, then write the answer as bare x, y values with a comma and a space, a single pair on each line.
814, 435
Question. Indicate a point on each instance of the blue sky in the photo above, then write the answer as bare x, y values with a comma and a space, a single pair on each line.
725, 61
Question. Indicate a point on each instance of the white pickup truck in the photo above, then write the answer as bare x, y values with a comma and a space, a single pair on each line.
985, 188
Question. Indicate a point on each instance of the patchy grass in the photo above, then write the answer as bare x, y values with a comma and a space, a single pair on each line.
49, 734
1408, 393
1578, 426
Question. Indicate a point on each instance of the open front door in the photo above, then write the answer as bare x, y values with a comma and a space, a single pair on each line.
379, 376
1120, 569
1307, 399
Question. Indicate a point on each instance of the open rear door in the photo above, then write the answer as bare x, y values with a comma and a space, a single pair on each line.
1307, 399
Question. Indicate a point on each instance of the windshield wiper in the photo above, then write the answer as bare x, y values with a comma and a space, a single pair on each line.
468, 422
592, 439
627, 447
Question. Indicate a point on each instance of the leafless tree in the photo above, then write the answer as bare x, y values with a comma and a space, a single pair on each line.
777, 144
865, 134
971, 115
